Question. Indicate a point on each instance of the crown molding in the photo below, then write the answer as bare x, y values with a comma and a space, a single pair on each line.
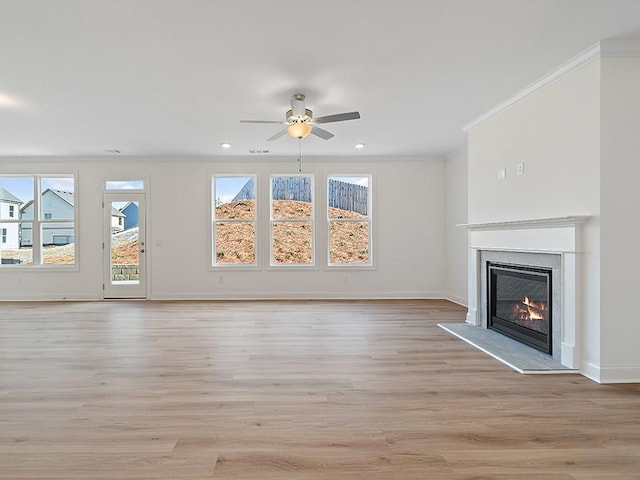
459, 150
577, 62
604, 48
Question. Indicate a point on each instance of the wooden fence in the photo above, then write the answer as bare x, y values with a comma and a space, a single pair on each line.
291, 188
346, 196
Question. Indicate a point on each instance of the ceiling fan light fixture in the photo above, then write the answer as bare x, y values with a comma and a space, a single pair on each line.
299, 130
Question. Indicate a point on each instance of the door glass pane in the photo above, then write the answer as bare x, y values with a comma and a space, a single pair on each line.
125, 245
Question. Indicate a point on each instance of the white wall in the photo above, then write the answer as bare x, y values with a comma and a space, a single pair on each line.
620, 240
555, 131
456, 243
408, 224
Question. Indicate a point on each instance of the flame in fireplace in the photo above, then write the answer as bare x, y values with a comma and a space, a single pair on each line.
527, 309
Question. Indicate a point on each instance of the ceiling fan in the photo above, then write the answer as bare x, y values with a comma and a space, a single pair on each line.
300, 121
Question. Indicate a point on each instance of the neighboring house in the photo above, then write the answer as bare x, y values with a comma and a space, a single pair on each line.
9, 209
56, 205
130, 210
118, 220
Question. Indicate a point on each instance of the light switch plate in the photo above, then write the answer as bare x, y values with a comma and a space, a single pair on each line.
502, 174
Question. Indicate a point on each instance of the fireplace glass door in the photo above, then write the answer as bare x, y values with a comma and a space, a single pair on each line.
519, 303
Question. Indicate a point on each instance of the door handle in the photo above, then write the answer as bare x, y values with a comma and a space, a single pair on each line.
142, 251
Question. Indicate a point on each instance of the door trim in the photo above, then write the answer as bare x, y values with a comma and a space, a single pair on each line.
124, 291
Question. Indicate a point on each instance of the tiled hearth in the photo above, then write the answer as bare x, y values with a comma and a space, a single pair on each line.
553, 243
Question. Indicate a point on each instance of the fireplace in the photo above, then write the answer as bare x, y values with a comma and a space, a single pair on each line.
519, 303
548, 243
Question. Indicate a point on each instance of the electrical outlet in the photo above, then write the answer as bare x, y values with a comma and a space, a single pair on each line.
520, 168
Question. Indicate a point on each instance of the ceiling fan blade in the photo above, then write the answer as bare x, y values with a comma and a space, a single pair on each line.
338, 117
319, 132
261, 121
277, 135
297, 105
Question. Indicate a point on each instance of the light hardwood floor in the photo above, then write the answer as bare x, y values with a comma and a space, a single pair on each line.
290, 390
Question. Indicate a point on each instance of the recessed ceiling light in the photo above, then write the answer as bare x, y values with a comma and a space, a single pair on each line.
359, 146
7, 101
225, 145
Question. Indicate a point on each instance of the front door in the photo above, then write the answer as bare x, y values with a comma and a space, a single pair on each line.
124, 245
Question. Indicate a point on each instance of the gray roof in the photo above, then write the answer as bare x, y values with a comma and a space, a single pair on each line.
66, 196
7, 196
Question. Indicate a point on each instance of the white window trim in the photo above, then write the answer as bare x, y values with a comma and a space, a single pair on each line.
213, 265
312, 220
369, 220
37, 222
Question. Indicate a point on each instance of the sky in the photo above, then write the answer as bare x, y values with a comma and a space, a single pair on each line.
226, 188
22, 187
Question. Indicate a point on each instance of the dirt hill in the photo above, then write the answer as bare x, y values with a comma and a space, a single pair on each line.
292, 240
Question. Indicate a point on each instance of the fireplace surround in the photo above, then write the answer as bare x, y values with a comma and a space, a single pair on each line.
553, 244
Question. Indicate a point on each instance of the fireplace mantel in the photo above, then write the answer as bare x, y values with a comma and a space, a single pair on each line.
558, 235
532, 223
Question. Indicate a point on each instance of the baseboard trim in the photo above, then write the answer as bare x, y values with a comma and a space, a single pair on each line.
299, 296
456, 300
620, 374
53, 298
591, 371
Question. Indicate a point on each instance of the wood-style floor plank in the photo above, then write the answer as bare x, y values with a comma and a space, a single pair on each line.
304, 390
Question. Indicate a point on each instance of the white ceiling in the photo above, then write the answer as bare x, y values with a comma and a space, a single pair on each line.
174, 77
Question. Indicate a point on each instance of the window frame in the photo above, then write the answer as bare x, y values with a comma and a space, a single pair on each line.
213, 264
369, 220
38, 223
110, 184
312, 220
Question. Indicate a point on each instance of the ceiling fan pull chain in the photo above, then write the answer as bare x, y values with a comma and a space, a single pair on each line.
299, 155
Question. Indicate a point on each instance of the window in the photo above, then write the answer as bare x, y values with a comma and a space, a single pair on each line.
349, 217
124, 185
4, 235
292, 220
234, 220
34, 237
